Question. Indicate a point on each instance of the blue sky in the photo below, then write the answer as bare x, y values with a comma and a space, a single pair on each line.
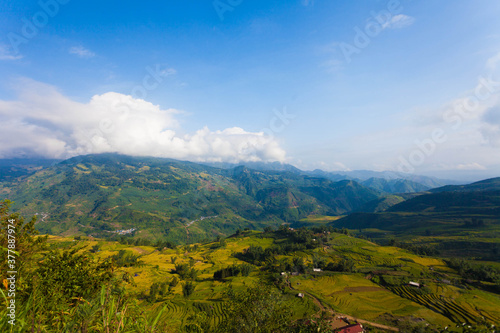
336, 85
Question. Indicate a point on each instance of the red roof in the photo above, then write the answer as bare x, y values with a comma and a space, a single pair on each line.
355, 328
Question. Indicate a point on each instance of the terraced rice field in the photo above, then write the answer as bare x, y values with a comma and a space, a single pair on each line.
456, 312
215, 311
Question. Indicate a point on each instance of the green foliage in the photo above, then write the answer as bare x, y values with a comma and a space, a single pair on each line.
246, 269
423, 250
95, 248
188, 288
479, 272
221, 274
106, 311
185, 272
344, 265
319, 262
69, 274
126, 258
157, 288
174, 282
256, 309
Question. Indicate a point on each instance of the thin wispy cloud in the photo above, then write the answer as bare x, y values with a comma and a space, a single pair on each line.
81, 52
398, 22
168, 72
6, 54
470, 166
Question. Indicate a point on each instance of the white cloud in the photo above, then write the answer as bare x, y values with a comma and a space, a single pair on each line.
44, 122
6, 54
398, 22
168, 72
492, 62
307, 3
470, 166
490, 126
81, 52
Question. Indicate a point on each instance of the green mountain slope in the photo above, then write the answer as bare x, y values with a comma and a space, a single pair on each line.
492, 184
455, 221
101, 194
394, 185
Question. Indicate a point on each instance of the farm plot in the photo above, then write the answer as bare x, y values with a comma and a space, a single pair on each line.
456, 312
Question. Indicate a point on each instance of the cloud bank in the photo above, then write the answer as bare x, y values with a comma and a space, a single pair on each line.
43, 122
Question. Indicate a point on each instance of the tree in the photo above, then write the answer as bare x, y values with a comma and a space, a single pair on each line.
174, 282
72, 274
188, 288
344, 265
260, 308
94, 249
298, 264
246, 269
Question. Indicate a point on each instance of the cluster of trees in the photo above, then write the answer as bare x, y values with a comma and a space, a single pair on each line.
421, 250
344, 265
234, 270
185, 271
474, 223
159, 244
294, 241
472, 271
160, 289
126, 258
257, 255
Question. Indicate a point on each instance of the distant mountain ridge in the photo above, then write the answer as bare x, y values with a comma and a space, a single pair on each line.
383, 181
491, 184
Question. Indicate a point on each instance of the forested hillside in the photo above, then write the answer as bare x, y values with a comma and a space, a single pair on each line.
99, 195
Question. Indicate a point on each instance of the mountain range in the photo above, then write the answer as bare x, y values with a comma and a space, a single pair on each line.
101, 194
